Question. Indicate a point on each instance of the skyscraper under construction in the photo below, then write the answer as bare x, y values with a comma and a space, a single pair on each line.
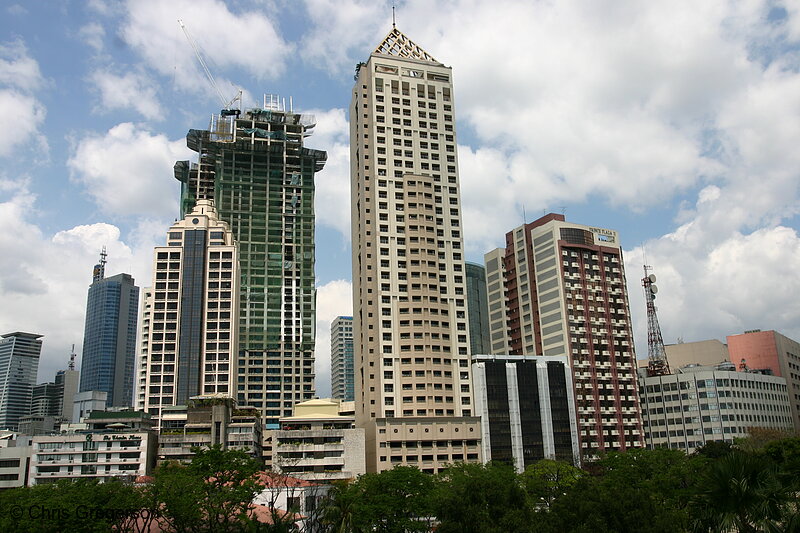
253, 165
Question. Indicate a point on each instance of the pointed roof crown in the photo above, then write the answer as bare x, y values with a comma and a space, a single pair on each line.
397, 44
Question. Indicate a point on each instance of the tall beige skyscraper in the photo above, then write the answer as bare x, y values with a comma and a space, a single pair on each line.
412, 364
190, 315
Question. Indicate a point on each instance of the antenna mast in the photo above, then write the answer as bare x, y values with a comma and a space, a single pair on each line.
657, 364
72, 356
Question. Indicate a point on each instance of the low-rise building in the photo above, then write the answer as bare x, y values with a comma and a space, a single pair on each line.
698, 404
14, 463
318, 443
527, 408
208, 421
116, 444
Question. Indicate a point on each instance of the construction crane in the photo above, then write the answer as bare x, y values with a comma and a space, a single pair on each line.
657, 364
226, 105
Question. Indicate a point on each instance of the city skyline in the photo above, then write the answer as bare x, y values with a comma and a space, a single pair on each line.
683, 143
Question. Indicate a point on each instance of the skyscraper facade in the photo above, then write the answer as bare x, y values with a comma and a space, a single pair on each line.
527, 409
478, 308
342, 379
253, 165
109, 339
190, 315
413, 373
19, 363
564, 293
55, 398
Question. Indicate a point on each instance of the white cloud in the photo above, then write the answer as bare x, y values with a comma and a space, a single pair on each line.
332, 189
341, 30
44, 278
128, 170
93, 34
335, 298
131, 90
228, 39
21, 113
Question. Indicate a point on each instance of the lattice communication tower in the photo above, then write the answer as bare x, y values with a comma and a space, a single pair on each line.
657, 364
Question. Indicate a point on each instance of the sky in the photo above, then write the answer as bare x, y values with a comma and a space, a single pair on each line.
675, 123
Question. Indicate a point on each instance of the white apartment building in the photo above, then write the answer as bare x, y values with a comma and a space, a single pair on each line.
318, 443
190, 315
116, 444
412, 367
698, 404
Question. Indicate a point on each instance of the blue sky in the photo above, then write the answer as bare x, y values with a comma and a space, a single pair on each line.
676, 123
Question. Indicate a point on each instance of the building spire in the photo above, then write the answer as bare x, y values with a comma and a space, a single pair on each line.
394, 26
99, 271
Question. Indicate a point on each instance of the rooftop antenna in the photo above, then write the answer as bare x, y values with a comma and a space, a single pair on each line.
394, 26
524, 216
657, 364
71, 365
99, 271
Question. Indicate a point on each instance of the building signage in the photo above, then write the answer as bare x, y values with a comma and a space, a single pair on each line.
604, 235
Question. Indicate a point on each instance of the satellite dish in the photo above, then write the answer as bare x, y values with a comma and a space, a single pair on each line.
652, 278
653, 289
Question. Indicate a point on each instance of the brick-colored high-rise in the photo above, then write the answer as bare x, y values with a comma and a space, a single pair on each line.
558, 288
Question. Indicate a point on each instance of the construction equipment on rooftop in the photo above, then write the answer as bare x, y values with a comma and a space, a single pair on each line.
657, 364
227, 110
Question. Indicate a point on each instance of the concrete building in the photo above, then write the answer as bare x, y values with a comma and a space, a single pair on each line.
254, 166
527, 409
342, 377
477, 309
708, 352
14, 466
115, 444
771, 350
190, 315
19, 364
564, 293
85, 402
410, 320
40, 425
207, 421
109, 339
698, 404
55, 399
318, 443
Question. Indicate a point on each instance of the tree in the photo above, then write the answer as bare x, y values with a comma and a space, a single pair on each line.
636, 491
481, 498
742, 492
72, 505
546, 480
714, 449
392, 501
212, 493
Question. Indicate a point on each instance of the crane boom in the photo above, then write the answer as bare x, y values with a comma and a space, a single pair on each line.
199, 56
